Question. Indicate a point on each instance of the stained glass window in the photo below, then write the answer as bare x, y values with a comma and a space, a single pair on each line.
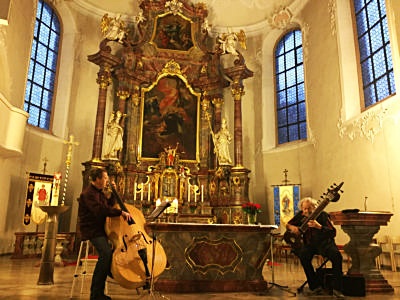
42, 67
290, 93
375, 52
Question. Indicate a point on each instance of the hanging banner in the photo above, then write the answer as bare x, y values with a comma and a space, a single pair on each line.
38, 194
286, 199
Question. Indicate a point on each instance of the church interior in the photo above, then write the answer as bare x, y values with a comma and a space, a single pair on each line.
230, 112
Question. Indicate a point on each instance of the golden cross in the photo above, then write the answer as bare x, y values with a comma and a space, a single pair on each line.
70, 143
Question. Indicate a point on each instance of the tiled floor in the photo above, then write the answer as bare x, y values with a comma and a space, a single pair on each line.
19, 277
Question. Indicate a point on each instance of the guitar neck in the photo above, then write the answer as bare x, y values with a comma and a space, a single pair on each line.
321, 206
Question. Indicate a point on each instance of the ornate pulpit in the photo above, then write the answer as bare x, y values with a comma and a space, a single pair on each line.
361, 228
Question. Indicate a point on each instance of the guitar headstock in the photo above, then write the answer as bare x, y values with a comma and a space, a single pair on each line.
333, 193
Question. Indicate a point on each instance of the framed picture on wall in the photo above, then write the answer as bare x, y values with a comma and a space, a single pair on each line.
172, 32
169, 117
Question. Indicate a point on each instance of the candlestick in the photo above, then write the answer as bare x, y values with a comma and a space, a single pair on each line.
202, 193
134, 192
148, 193
175, 204
141, 193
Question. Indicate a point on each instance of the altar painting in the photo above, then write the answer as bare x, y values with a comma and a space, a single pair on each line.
170, 117
172, 32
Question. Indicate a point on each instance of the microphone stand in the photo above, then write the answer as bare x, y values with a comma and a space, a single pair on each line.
272, 283
152, 217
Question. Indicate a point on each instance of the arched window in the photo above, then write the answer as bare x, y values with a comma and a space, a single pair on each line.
39, 93
290, 93
375, 53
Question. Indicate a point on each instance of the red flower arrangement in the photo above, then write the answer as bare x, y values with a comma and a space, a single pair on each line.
251, 208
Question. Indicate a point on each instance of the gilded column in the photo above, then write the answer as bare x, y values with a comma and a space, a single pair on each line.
132, 141
238, 92
106, 61
218, 102
103, 80
122, 95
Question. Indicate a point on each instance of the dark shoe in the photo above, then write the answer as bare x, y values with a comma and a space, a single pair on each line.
316, 292
338, 294
102, 297
146, 285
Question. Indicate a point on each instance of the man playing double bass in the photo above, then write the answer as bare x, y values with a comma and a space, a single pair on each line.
317, 239
94, 208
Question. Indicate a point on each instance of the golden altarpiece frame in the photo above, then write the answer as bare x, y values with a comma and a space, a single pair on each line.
168, 77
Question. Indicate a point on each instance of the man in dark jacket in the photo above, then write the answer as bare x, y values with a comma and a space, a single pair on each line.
94, 208
317, 239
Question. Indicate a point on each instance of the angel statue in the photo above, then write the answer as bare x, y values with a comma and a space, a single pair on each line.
228, 41
113, 28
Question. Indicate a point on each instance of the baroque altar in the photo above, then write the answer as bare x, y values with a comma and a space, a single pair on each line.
166, 137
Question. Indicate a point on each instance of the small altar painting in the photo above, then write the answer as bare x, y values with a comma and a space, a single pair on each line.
170, 119
173, 32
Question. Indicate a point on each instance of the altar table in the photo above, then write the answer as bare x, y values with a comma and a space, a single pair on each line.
212, 257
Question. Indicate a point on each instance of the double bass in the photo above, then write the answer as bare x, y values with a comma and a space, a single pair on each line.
133, 261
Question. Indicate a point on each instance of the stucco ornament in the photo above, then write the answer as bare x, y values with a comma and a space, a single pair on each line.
368, 125
281, 18
173, 6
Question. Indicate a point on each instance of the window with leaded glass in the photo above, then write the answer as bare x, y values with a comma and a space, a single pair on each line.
375, 52
39, 93
290, 93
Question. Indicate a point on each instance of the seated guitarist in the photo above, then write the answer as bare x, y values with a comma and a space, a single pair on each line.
317, 239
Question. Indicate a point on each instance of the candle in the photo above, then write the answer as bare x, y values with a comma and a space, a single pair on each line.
141, 192
195, 194
134, 192
148, 193
188, 191
158, 202
175, 205
202, 193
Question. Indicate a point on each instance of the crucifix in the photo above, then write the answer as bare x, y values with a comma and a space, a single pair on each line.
286, 180
45, 160
71, 142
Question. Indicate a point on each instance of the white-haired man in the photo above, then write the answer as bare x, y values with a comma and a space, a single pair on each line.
317, 239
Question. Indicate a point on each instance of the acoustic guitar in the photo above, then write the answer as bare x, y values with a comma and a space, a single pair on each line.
296, 240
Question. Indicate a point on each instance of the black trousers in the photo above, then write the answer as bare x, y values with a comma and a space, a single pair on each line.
330, 251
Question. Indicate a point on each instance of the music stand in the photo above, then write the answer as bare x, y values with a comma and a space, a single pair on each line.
151, 218
272, 283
